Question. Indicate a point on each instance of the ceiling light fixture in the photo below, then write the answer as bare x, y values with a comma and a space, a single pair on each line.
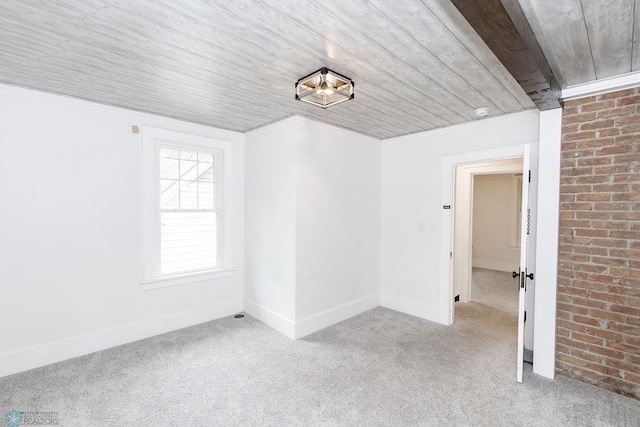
324, 88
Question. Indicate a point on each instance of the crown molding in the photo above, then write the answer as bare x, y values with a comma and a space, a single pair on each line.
598, 87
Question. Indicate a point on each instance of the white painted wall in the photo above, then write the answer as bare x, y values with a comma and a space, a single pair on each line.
338, 225
493, 210
411, 196
71, 232
270, 224
317, 189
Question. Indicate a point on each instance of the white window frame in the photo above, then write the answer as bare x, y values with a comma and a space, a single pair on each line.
152, 140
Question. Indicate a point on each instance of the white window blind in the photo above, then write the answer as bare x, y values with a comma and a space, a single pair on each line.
188, 210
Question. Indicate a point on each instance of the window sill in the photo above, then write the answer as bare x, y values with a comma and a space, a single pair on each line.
183, 279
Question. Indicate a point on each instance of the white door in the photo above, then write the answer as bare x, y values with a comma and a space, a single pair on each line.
524, 273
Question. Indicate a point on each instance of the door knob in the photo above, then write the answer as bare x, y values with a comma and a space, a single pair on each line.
530, 276
514, 274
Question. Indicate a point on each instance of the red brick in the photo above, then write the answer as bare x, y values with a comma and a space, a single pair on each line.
591, 233
610, 243
615, 149
629, 177
635, 311
606, 315
625, 328
572, 326
618, 94
587, 320
610, 207
608, 297
607, 132
598, 124
593, 179
571, 308
616, 112
634, 342
574, 291
621, 364
568, 110
602, 105
576, 206
598, 142
628, 100
618, 262
573, 361
605, 351
606, 334
625, 197
629, 216
610, 188
624, 272
623, 235
607, 370
622, 347
578, 136
625, 290
591, 250
610, 225
624, 253
593, 161
589, 302
630, 129
590, 339
630, 120
590, 268
592, 215
579, 118
627, 139
611, 170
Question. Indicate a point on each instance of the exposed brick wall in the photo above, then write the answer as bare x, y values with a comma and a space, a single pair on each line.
598, 333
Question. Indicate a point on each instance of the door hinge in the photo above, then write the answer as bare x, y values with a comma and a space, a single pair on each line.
529, 176
525, 315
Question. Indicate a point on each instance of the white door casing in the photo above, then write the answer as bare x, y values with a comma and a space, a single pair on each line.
523, 277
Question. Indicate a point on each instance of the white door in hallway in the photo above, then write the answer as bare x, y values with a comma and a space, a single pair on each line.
524, 273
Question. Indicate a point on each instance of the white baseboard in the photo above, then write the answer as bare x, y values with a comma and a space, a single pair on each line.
495, 265
271, 318
412, 307
314, 323
68, 348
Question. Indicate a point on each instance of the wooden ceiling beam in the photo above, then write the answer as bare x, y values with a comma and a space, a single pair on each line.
505, 29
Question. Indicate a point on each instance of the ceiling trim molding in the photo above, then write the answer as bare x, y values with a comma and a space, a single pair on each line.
598, 87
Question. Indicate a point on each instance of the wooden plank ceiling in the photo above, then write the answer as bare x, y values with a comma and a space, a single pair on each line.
417, 65
586, 40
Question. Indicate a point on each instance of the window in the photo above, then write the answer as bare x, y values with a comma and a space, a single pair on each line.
187, 199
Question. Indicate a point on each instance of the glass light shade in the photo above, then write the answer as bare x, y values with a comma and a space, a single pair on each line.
324, 88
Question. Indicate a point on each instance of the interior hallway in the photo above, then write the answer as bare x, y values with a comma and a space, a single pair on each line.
379, 368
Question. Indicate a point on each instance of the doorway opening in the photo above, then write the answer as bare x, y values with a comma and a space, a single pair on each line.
498, 174
496, 212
